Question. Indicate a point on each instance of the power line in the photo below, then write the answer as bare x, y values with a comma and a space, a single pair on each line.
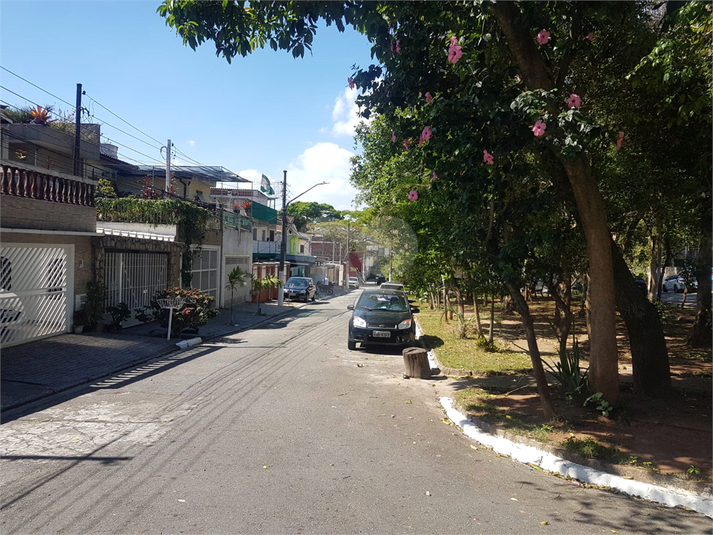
50, 133
58, 164
35, 85
19, 95
131, 149
106, 123
121, 119
101, 121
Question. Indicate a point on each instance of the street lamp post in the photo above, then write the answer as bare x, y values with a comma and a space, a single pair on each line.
283, 244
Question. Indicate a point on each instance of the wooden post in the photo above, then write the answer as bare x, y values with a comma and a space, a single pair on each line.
416, 362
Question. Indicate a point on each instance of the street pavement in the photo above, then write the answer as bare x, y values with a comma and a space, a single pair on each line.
281, 429
42, 374
35, 371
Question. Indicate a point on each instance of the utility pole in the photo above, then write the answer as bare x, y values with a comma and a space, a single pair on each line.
168, 167
349, 263
77, 128
283, 244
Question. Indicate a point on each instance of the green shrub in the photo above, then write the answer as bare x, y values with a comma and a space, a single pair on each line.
568, 372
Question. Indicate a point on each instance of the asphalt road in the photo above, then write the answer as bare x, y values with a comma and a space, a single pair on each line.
282, 430
673, 298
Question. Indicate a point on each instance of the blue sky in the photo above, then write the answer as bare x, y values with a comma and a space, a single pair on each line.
264, 113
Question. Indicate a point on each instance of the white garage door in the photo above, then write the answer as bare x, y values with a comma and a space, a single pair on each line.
35, 283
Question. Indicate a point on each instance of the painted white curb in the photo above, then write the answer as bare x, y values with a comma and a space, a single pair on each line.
547, 461
185, 344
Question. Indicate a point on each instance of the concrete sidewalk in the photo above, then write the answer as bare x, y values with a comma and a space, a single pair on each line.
35, 370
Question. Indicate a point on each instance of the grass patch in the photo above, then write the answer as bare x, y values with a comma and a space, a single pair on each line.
475, 400
591, 449
467, 354
471, 398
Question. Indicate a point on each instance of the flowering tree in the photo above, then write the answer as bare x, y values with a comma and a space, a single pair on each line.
486, 89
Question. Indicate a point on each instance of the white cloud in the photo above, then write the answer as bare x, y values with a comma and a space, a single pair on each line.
323, 162
345, 113
191, 143
251, 174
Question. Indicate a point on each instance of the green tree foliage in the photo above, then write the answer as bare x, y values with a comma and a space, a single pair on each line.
105, 189
542, 194
306, 213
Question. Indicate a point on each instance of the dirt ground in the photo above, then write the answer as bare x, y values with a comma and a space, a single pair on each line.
658, 439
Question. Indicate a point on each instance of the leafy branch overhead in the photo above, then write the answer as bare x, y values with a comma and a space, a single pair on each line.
516, 138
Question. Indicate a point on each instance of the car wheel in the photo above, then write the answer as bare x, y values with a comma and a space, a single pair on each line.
675, 288
314, 297
351, 345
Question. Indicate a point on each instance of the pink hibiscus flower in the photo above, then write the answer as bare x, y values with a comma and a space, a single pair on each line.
434, 177
454, 51
413, 195
393, 136
543, 37
574, 101
590, 36
351, 82
619, 141
425, 135
487, 157
406, 144
398, 47
429, 98
539, 128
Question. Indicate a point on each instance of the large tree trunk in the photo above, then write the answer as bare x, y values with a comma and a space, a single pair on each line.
649, 355
601, 306
543, 388
603, 367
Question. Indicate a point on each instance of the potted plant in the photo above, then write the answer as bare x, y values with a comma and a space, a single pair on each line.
79, 321
119, 314
93, 307
197, 310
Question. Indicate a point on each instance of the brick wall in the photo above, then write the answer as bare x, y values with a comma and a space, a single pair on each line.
24, 213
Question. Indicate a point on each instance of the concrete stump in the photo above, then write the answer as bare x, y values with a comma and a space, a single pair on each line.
416, 362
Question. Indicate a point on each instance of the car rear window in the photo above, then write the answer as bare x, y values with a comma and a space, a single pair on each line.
396, 303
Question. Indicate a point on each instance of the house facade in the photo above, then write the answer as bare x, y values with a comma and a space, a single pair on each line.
52, 245
47, 230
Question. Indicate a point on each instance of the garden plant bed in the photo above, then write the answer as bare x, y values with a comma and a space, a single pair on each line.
652, 440
644, 439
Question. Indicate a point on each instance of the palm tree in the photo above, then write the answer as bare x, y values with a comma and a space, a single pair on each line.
236, 278
264, 284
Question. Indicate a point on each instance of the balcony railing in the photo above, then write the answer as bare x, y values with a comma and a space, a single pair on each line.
19, 181
266, 247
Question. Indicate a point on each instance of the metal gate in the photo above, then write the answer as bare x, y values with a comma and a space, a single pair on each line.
134, 277
205, 271
35, 282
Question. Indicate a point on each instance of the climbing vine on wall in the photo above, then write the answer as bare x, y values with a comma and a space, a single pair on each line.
191, 221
